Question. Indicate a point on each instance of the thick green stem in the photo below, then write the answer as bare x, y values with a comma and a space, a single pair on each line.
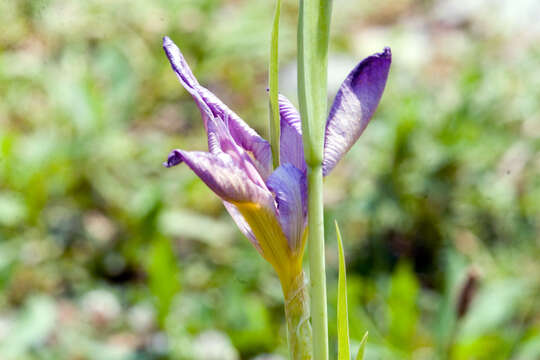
313, 36
273, 75
319, 315
298, 325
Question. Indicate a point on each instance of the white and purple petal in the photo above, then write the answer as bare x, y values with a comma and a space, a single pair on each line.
213, 109
354, 105
290, 142
289, 186
223, 176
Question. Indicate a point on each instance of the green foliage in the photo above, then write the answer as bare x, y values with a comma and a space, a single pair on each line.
402, 307
362, 348
163, 279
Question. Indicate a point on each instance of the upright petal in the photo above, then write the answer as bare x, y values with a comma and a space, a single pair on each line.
223, 176
354, 106
291, 148
290, 189
185, 75
211, 108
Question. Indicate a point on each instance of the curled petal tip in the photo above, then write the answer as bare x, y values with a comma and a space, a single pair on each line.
167, 41
174, 158
387, 53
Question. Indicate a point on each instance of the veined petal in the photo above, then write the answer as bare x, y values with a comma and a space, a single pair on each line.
221, 141
211, 108
272, 241
290, 189
242, 224
242, 134
291, 148
354, 106
185, 76
221, 174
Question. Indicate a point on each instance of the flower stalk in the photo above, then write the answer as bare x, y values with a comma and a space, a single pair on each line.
297, 317
313, 35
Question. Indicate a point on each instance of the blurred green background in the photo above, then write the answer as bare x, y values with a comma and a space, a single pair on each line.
104, 254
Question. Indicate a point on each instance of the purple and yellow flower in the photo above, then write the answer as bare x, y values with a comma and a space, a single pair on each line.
270, 206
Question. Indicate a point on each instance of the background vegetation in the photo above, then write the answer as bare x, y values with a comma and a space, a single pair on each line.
104, 254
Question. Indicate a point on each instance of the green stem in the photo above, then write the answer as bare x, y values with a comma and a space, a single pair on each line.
297, 315
319, 317
273, 74
313, 36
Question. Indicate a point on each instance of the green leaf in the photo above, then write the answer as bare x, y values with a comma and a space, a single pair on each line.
273, 87
342, 319
363, 343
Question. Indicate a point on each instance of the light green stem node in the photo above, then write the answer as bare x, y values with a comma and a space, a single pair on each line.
298, 325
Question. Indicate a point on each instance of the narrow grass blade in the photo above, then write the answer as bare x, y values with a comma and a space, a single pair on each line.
360, 355
342, 319
273, 74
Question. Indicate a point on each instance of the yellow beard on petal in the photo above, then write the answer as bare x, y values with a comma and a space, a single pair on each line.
273, 242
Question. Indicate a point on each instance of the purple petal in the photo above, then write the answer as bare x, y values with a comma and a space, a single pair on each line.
220, 141
186, 77
291, 148
211, 107
242, 224
290, 189
354, 106
222, 175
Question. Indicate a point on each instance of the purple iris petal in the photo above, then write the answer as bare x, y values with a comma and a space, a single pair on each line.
222, 175
290, 188
211, 107
221, 141
290, 143
354, 106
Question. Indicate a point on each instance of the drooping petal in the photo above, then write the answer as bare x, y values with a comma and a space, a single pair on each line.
242, 224
354, 106
223, 176
291, 148
211, 108
290, 189
273, 242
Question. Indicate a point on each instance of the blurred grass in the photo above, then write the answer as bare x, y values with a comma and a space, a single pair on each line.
106, 255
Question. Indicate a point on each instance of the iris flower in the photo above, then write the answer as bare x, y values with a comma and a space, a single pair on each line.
270, 206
